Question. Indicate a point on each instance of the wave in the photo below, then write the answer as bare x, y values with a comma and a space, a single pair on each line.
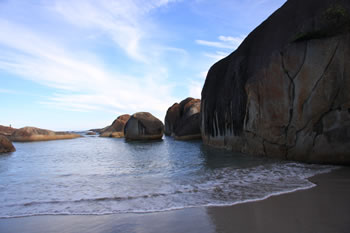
93, 199
204, 194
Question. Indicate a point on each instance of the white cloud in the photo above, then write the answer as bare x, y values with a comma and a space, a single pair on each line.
124, 21
81, 81
203, 74
18, 92
215, 44
218, 55
233, 40
85, 83
8, 91
225, 42
195, 89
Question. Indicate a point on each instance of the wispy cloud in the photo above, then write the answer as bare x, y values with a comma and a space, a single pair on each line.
124, 21
84, 81
18, 92
79, 78
203, 74
224, 42
196, 89
8, 91
222, 48
218, 55
118, 56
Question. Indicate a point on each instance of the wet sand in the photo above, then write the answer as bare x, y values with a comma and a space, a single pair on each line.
324, 208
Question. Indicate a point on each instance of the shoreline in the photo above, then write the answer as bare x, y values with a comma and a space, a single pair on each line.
322, 208
174, 209
312, 185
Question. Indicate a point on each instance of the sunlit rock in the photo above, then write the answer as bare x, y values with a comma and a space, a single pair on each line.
29, 134
116, 130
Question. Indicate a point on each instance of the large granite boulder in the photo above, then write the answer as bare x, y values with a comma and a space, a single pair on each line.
6, 145
117, 128
285, 91
6, 131
30, 134
143, 126
182, 120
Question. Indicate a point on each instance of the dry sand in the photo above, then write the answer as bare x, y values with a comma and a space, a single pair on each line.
324, 208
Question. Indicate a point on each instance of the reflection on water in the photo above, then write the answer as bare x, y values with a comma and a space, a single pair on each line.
93, 175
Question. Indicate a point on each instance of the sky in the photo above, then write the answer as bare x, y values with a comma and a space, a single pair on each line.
79, 64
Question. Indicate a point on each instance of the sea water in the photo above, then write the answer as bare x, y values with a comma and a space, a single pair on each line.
94, 176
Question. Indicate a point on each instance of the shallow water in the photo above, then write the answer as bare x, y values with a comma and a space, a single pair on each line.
93, 175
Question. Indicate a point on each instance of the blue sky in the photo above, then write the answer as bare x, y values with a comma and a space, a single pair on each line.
78, 64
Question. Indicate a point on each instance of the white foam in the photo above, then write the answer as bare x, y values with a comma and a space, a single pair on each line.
217, 187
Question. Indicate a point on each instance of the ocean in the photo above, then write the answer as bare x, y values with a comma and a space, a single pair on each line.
96, 176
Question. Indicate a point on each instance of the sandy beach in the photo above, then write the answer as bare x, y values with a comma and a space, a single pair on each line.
324, 208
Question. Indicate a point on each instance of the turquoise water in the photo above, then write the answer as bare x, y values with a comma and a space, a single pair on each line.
93, 175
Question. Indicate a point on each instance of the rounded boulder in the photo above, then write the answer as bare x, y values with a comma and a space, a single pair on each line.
182, 120
143, 126
116, 129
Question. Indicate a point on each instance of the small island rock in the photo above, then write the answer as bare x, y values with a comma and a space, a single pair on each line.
30, 134
143, 126
116, 129
6, 131
91, 133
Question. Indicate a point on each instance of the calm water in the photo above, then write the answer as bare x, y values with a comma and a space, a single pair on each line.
93, 175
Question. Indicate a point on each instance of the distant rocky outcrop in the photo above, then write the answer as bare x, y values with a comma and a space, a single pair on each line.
116, 129
285, 91
91, 133
97, 130
29, 134
143, 126
6, 145
6, 131
182, 120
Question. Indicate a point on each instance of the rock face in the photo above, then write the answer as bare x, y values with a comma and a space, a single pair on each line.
6, 145
285, 91
30, 134
182, 120
143, 126
6, 131
117, 128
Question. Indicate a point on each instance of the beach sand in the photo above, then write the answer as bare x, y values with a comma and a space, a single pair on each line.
324, 208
